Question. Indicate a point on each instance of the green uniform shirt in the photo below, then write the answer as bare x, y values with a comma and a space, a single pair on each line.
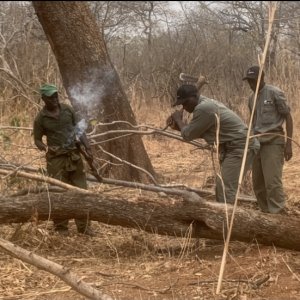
60, 132
270, 113
233, 131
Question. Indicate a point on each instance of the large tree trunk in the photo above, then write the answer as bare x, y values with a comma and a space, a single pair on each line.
164, 217
92, 83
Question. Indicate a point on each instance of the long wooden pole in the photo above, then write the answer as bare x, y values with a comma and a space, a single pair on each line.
272, 10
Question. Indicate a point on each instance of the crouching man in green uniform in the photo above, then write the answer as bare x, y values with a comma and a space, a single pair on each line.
232, 132
57, 122
271, 111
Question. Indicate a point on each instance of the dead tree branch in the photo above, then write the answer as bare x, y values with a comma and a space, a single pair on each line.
63, 273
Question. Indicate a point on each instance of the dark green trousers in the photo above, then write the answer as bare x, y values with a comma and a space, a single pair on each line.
267, 178
226, 186
69, 169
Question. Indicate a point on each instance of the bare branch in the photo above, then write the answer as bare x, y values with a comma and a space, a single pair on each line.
63, 273
44, 179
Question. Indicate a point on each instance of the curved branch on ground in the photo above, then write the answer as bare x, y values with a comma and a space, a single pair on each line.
56, 269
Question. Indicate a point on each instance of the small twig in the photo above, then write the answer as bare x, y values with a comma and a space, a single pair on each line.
112, 139
254, 284
261, 281
293, 273
162, 291
215, 281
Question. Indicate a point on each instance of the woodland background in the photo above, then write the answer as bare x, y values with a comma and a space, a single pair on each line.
150, 43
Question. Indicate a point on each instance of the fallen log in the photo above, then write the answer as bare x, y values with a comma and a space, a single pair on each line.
163, 216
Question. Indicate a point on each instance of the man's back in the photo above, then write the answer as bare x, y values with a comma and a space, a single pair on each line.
211, 116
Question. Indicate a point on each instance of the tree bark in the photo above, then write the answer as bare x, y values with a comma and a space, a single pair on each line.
90, 79
165, 217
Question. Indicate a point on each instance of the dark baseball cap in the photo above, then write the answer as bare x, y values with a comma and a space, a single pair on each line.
184, 92
252, 73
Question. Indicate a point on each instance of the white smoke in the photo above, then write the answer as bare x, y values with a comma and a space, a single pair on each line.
80, 128
89, 94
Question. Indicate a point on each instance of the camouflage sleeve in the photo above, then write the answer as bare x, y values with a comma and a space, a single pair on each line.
281, 102
199, 124
38, 130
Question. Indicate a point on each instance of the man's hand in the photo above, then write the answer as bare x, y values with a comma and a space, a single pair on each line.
288, 152
175, 120
177, 115
171, 123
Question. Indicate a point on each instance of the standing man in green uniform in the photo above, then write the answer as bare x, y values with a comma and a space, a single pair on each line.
232, 133
57, 122
271, 111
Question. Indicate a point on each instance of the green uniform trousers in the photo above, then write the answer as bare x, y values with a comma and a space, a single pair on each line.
226, 187
266, 175
68, 168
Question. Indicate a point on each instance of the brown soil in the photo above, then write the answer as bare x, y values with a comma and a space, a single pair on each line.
130, 264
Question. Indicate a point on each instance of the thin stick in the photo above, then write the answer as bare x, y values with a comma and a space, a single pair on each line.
219, 174
272, 10
293, 273
16, 128
44, 179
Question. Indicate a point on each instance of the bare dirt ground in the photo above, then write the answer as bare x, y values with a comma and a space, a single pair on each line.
130, 264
